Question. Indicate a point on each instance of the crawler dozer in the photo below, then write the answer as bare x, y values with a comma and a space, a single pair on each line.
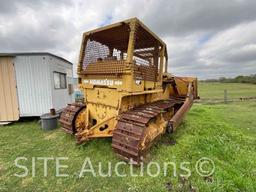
128, 94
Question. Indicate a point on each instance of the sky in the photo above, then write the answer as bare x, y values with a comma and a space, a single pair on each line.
205, 38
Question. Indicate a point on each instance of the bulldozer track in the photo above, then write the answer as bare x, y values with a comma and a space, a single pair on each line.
68, 117
131, 127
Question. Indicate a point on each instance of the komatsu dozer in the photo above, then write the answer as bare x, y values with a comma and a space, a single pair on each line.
128, 94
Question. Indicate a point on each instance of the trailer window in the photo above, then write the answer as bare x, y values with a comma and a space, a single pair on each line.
60, 81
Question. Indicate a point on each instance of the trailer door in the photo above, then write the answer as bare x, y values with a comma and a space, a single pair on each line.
9, 109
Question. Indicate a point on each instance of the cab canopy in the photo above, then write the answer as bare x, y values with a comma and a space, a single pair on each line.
112, 48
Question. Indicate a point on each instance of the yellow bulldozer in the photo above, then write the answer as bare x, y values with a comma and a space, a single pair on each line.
128, 94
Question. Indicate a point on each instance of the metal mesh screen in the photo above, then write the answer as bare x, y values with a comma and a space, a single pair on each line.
94, 52
106, 52
106, 49
146, 55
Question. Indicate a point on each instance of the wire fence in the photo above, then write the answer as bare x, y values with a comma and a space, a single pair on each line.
224, 100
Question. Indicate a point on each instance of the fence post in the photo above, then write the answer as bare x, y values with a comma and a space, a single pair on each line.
225, 96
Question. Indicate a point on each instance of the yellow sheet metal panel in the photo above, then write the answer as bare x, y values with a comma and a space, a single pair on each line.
8, 94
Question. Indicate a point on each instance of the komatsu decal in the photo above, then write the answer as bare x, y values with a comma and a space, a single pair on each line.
108, 82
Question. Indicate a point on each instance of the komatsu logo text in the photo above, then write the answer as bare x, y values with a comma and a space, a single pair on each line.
108, 82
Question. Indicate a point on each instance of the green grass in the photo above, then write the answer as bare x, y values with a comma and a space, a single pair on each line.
224, 133
234, 90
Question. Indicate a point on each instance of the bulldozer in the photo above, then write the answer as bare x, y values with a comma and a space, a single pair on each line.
128, 93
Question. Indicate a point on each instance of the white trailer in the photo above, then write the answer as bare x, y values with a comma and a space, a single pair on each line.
33, 83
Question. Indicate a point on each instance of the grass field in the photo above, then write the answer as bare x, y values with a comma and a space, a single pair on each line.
213, 91
224, 133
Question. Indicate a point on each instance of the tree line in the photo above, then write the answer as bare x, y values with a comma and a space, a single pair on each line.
239, 79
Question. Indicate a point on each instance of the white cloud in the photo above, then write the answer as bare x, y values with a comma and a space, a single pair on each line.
205, 38
232, 51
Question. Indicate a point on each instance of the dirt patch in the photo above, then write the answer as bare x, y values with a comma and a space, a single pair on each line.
26, 181
169, 186
169, 141
208, 179
184, 184
51, 136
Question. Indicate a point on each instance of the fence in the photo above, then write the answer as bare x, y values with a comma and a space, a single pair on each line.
226, 99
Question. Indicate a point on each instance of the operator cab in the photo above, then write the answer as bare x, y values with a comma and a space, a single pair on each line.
125, 55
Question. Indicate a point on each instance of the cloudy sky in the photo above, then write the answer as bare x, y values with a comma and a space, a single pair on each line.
205, 38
